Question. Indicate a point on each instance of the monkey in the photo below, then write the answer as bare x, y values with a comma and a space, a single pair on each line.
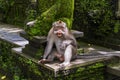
65, 44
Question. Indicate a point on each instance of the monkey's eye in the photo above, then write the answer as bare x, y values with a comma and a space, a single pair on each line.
62, 28
55, 29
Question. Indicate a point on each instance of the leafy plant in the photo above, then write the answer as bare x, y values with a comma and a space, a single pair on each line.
117, 26
5, 6
49, 13
96, 17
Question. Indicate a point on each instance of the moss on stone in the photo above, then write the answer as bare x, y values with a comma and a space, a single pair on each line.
50, 11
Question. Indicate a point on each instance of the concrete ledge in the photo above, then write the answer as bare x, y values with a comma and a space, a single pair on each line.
10, 34
54, 66
115, 70
77, 34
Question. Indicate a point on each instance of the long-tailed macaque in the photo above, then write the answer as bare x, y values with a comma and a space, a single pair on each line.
65, 44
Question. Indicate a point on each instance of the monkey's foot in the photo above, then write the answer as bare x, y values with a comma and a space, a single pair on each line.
43, 61
64, 64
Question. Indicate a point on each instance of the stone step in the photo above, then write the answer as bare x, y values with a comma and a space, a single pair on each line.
54, 66
115, 69
10, 34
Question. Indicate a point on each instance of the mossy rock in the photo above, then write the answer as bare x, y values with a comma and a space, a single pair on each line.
50, 11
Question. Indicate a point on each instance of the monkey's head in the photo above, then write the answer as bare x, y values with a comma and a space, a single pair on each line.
59, 28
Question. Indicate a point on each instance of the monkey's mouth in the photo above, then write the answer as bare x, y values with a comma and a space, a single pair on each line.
59, 34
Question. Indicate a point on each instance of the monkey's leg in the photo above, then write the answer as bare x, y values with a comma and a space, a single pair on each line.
60, 57
50, 57
48, 60
67, 56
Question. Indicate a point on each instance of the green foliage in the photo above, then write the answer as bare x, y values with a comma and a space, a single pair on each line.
39, 53
32, 68
7, 62
5, 7
31, 14
13, 11
95, 71
96, 17
56, 10
5, 4
43, 5
117, 26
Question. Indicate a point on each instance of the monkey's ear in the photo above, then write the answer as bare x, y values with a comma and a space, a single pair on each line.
53, 24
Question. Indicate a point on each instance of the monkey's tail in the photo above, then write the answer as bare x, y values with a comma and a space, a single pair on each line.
89, 55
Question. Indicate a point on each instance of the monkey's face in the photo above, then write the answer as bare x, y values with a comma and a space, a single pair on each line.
59, 31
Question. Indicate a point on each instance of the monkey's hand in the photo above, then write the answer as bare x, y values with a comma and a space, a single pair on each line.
63, 46
66, 43
60, 57
43, 61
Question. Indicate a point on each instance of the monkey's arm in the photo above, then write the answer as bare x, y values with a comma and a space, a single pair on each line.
71, 41
74, 43
48, 48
